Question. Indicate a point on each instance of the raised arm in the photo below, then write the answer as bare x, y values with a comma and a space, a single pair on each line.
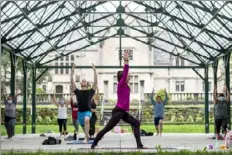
215, 94
54, 100
166, 96
17, 93
227, 93
97, 97
125, 69
73, 85
152, 97
95, 78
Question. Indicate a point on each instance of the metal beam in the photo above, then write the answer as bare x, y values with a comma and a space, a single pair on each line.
205, 9
171, 43
29, 36
51, 22
13, 74
205, 25
207, 107
118, 67
59, 47
25, 90
226, 59
198, 74
68, 31
182, 20
41, 74
163, 50
215, 69
79, 49
29, 11
33, 105
174, 32
38, 30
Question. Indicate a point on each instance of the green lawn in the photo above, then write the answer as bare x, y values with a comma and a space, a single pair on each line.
150, 128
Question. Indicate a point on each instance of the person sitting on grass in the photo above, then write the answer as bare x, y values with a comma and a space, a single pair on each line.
159, 111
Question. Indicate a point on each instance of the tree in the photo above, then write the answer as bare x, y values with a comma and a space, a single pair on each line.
5, 73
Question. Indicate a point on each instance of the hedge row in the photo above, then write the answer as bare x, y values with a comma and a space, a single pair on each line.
175, 115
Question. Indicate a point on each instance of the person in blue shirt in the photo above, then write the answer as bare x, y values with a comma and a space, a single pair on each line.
159, 111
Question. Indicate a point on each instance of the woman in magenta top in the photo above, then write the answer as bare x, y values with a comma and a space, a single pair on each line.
122, 107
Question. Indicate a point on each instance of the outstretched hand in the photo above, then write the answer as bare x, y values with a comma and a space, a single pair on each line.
126, 55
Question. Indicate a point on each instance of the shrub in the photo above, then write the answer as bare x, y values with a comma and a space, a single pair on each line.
40, 91
161, 93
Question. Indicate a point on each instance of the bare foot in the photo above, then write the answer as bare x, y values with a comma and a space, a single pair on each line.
161, 135
85, 141
157, 134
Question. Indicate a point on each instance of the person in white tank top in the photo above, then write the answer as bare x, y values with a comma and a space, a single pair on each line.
62, 106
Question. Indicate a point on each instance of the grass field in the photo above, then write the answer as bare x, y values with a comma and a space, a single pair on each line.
150, 128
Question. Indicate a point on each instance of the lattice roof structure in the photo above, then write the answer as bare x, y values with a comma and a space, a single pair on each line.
33, 29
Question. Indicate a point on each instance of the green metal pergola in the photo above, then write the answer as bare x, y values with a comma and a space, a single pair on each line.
33, 29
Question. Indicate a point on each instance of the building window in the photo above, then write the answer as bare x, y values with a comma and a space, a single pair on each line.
62, 59
67, 58
180, 86
72, 57
115, 84
44, 88
67, 69
134, 84
182, 62
177, 61
56, 70
203, 86
61, 70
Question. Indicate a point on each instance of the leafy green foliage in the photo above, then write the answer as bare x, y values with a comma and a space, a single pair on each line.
40, 90
161, 93
6, 64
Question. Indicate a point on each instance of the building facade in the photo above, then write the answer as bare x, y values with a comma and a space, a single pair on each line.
142, 80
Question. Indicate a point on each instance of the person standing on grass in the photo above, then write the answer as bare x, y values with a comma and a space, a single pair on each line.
159, 111
93, 119
10, 114
74, 109
62, 106
84, 97
221, 101
122, 107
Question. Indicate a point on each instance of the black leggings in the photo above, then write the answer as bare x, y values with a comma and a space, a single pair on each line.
220, 123
117, 115
62, 122
93, 121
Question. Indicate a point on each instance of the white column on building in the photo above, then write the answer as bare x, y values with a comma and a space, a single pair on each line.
142, 97
106, 91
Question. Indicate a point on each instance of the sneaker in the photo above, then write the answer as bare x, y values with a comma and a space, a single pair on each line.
75, 136
93, 146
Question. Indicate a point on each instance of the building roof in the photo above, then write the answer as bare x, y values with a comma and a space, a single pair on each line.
33, 29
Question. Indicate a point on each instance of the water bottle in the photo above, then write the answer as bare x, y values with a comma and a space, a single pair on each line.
216, 144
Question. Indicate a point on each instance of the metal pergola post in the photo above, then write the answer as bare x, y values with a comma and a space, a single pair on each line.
227, 82
25, 96
215, 69
207, 100
12, 77
33, 96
